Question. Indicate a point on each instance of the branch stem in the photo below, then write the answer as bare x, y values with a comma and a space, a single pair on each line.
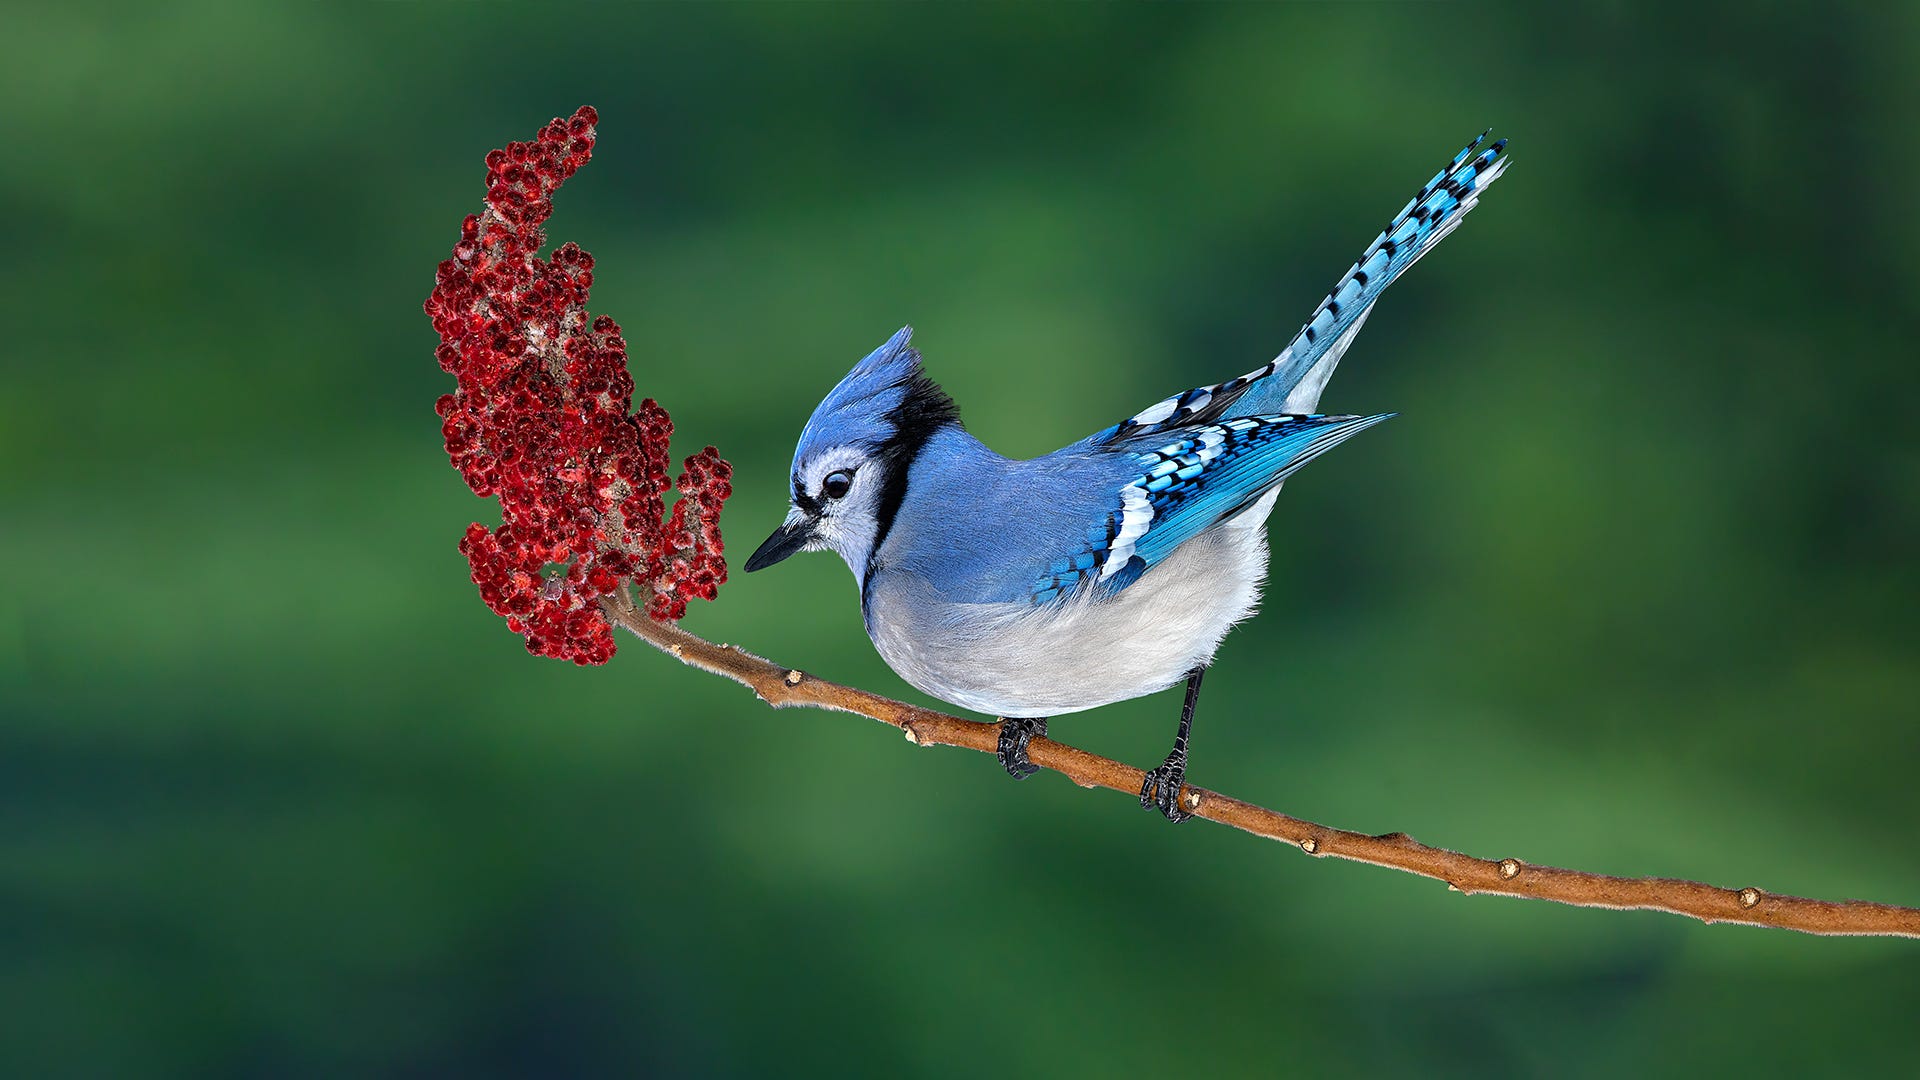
781, 687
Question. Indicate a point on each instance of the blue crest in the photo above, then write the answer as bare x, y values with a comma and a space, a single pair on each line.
884, 400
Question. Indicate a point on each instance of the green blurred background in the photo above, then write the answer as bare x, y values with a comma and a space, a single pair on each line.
1629, 586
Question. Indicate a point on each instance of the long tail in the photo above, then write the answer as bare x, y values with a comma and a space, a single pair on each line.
1292, 381
1302, 369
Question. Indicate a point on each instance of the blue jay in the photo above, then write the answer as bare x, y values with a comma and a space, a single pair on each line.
1103, 571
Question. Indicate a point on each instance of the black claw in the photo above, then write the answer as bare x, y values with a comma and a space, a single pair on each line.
1015, 734
1161, 789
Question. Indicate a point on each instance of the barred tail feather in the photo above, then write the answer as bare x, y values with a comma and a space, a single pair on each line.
1436, 210
1292, 381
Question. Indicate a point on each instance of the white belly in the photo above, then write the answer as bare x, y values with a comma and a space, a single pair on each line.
1016, 659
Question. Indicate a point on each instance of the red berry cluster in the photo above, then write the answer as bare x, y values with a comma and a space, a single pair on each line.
542, 417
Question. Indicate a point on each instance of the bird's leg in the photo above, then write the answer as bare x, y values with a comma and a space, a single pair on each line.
1015, 734
1161, 789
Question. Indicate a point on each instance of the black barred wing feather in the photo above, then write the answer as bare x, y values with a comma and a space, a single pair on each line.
1189, 480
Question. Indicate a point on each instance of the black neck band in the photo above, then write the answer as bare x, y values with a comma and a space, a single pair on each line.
925, 410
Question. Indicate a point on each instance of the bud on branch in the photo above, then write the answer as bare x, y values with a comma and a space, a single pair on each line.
542, 417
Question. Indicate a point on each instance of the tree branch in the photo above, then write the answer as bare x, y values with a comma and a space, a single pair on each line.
781, 687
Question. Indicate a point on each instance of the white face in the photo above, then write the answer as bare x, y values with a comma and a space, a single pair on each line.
841, 489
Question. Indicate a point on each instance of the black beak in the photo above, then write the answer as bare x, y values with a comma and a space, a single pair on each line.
786, 540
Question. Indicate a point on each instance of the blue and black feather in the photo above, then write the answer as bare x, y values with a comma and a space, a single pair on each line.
1190, 480
1433, 212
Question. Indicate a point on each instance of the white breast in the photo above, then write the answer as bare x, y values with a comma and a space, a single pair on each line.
1018, 659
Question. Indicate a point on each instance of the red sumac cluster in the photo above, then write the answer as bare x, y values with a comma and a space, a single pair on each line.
542, 418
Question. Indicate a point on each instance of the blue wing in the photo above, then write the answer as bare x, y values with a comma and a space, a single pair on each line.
1436, 210
1189, 480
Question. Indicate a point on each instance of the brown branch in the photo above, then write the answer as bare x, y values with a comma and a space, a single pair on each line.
782, 687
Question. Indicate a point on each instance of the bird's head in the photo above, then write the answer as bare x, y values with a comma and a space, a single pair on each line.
850, 468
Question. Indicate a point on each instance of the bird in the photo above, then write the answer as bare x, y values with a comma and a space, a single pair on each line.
1109, 569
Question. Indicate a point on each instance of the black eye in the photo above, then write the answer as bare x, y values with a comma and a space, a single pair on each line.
837, 484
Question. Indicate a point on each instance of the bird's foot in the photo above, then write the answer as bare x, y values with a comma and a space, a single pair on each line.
1015, 734
1161, 789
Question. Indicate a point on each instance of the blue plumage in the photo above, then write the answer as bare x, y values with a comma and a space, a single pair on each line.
1276, 387
1110, 568
1186, 486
